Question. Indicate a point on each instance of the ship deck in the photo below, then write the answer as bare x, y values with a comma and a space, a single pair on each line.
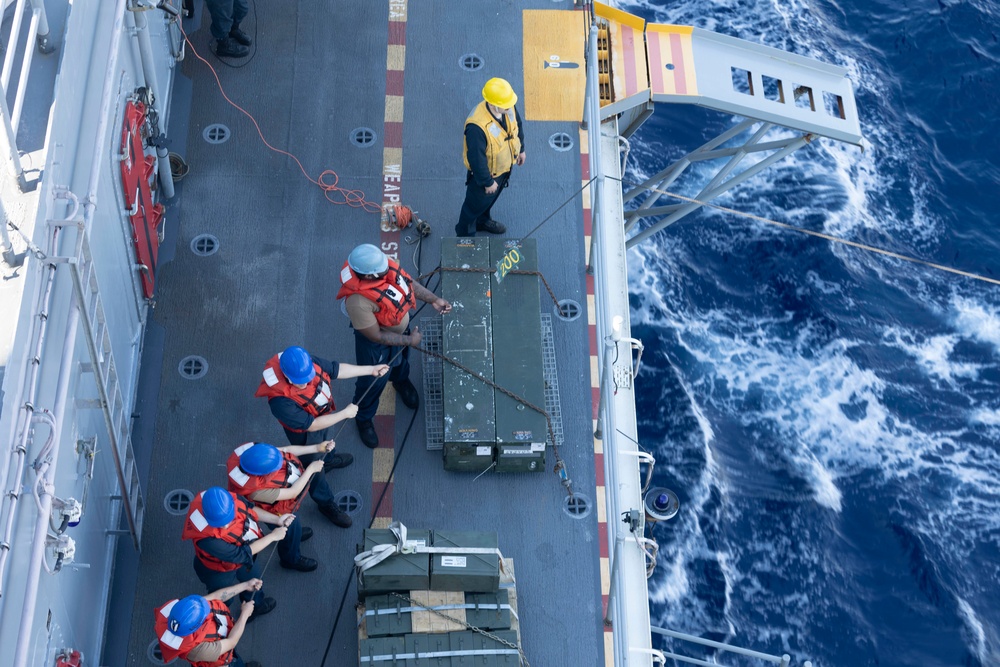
320, 71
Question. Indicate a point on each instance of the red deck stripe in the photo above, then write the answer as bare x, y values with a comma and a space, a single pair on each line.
394, 82
590, 284
656, 66
397, 33
385, 427
592, 335
628, 42
599, 468
585, 166
385, 509
393, 135
588, 223
595, 397
677, 54
602, 538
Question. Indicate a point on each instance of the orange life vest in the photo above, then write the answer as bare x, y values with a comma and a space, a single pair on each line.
216, 627
282, 478
316, 398
392, 293
241, 530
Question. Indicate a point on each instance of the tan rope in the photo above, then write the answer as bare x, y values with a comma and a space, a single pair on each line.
834, 239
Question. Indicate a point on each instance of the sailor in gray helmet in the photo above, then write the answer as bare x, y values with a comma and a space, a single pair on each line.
379, 296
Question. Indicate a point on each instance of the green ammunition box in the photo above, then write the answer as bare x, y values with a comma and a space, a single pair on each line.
384, 616
428, 643
517, 350
492, 610
467, 337
381, 652
508, 657
467, 457
475, 573
462, 641
398, 572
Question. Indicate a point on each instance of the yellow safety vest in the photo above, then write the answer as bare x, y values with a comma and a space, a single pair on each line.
502, 146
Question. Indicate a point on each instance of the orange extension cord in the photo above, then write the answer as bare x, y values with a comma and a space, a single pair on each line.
328, 178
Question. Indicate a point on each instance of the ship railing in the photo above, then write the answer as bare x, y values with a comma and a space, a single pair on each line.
38, 36
782, 660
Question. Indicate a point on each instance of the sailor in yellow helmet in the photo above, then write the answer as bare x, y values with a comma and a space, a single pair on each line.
494, 143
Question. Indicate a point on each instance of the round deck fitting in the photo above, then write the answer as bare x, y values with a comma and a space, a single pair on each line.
216, 133
568, 310
204, 245
560, 141
348, 501
192, 367
176, 502
471, 62
577, 506
363, 137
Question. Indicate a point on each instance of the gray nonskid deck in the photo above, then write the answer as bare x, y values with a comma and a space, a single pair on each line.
320, 73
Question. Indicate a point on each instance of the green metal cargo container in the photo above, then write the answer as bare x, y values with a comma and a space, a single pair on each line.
467, 457
384, 616
428, 643
374, 652
492, 610
467, 337
475, 573
462, 641
399, 572
517, 349
508, 657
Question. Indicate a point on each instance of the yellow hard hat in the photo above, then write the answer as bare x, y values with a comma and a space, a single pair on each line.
499, 93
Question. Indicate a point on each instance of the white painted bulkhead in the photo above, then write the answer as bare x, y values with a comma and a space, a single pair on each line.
71, 608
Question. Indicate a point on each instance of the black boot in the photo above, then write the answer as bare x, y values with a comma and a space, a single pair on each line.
239, 35
230, 48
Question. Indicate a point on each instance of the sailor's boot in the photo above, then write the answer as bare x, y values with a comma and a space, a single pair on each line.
230, 48
239, 35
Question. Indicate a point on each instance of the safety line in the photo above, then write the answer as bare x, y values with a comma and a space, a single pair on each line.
827, 237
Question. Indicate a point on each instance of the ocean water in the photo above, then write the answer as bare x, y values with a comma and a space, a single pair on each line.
829, 417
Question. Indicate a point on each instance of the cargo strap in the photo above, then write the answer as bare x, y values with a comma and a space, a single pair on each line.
440, 607
369, 559
438, 654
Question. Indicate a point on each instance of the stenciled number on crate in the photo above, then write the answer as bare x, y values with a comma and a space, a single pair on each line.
509, 262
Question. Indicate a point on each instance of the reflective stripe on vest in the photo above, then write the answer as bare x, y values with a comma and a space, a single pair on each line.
502, 146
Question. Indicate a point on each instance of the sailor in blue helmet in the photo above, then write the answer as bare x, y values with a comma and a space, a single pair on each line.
379, 296
227, 538
297, 387
201, 629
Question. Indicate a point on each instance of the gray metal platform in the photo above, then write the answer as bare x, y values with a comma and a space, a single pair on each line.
319, 73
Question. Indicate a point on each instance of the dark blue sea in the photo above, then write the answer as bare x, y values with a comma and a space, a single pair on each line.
830, 418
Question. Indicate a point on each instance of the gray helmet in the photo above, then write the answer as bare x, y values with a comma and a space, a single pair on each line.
366, 259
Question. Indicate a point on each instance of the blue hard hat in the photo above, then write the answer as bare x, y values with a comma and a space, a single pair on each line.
261, 459
217, 504
297, 365
187, 615
367, 259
